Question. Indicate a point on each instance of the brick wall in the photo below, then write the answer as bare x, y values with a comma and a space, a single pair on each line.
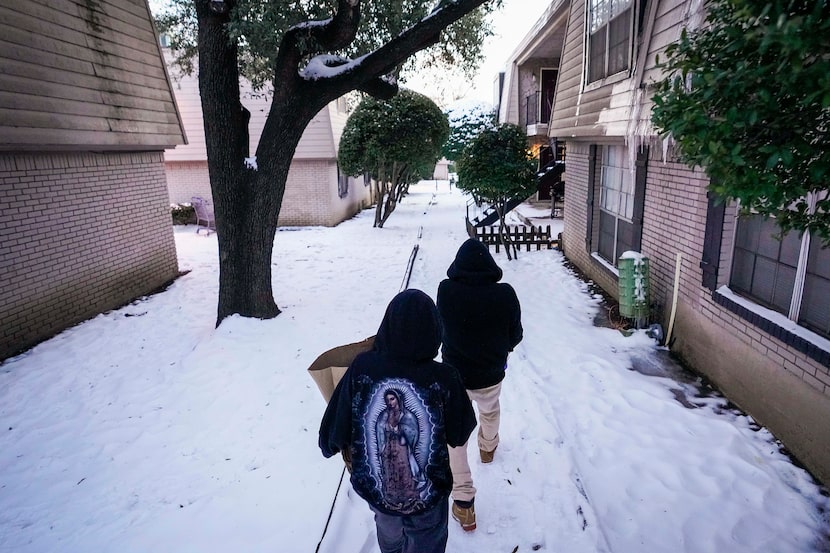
80, 233
675, 220
308, 194
784, 389
186, 179
576, 217
310, 198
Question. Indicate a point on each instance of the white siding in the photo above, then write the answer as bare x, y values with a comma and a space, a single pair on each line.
580, 110
318, 141
81, 75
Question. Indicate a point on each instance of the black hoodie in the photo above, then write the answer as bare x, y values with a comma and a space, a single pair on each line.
481, 317
396, 409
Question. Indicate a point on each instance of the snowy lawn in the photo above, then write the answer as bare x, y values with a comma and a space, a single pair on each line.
147, 430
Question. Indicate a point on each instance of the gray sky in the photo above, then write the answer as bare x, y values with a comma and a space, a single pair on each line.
512, 23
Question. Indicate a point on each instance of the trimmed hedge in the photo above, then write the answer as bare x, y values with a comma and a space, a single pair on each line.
183, 214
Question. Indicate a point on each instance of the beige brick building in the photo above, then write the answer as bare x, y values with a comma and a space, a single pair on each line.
86, 115
316, 193
742, 317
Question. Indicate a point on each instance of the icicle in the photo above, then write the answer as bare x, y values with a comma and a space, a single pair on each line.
634, 138
666, 143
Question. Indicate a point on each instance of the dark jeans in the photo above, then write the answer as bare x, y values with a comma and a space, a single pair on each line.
425, 532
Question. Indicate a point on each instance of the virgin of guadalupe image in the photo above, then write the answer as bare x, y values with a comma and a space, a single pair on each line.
397, 434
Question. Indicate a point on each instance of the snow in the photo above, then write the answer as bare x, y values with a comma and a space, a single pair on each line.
511, 23
609, 267
776, 318
636, 256
325, 66
146, 429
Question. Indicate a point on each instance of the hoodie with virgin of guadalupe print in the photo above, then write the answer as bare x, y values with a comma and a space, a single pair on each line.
397, 409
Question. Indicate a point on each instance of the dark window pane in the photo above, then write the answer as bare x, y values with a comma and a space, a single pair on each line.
342, 185
768, 243
815, 305
818, 262
763, 281
790, 249
767, 273
742, 265
596, 60
625, 237
607, 225
748, 229
782, 294
618, 42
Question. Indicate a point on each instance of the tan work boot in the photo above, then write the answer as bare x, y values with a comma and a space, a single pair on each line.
487, 456
466, 516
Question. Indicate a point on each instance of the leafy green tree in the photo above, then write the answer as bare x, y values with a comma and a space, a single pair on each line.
396, 142
497, 166
465, 125
747, 98
310, 53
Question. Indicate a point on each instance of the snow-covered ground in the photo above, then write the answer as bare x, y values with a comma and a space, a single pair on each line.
147, 430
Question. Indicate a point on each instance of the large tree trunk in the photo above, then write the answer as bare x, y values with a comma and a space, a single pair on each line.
247, 200
385, 208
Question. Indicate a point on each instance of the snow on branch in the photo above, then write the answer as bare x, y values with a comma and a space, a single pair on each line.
326, 66
417, 37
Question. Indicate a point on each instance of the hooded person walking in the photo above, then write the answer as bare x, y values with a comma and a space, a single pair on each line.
482, 325
395, 412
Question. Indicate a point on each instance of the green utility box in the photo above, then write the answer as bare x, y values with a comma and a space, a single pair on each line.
634, 287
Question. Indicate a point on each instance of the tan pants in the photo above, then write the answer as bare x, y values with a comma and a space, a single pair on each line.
489, 414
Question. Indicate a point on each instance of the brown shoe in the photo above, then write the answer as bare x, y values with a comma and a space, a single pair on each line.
466, 516
486, 456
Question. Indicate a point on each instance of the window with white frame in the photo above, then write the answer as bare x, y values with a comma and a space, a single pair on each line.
789, 274
616, 203
609, 37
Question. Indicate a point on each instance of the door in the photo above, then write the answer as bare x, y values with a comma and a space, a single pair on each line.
548, 84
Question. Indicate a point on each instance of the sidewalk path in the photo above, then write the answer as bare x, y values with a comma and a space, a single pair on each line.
146, 429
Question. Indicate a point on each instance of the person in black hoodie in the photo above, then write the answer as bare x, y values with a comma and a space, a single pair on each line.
394, 413
482, 325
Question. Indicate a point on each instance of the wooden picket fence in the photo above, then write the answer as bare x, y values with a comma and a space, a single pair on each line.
521, 235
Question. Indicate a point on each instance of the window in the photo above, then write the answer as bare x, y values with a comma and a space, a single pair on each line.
342, 183
548, 87
609, 37
616, 204
789, 274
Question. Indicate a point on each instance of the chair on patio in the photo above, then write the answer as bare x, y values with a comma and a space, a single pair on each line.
204, 214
